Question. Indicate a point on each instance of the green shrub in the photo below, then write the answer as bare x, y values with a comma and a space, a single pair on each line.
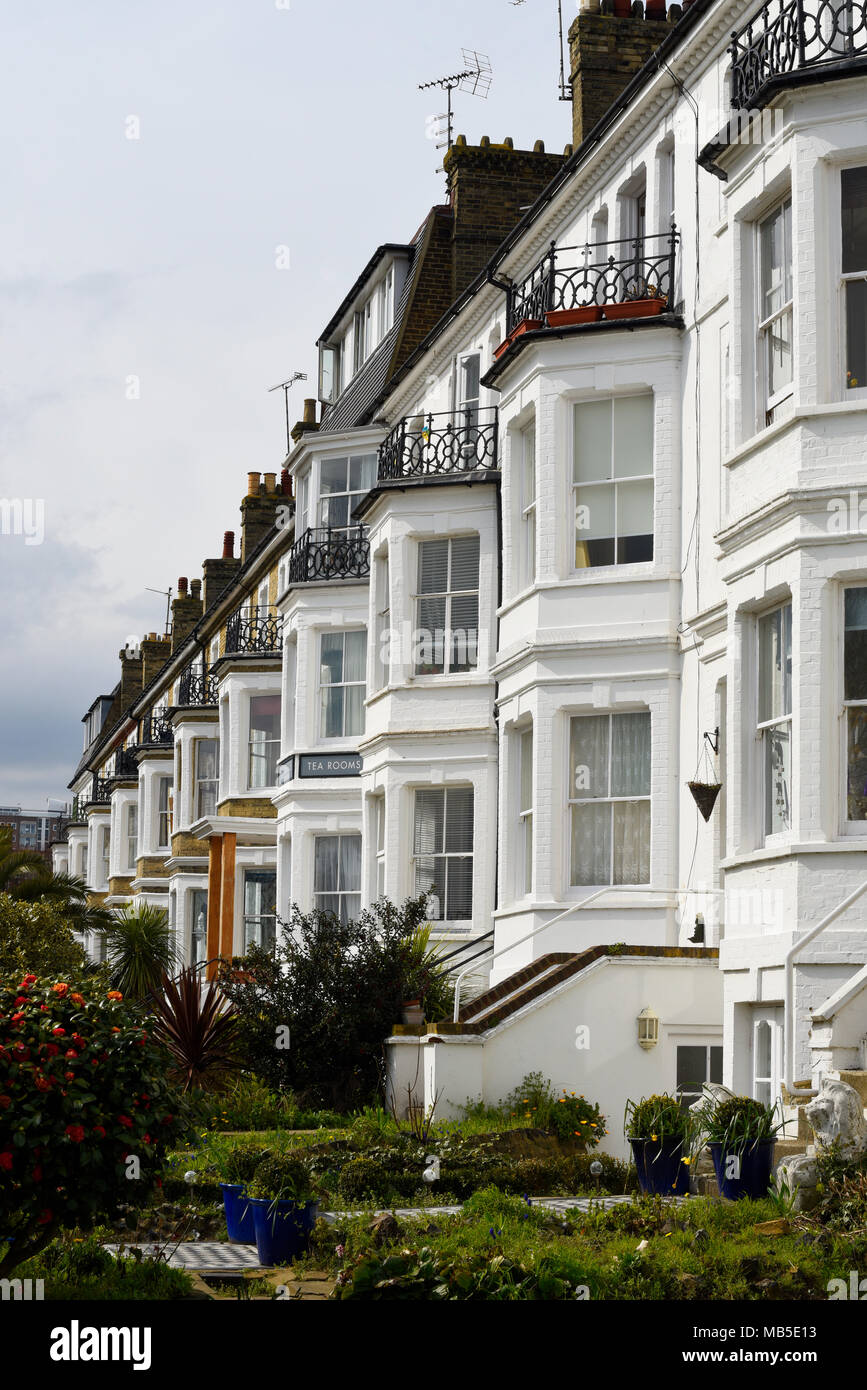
738, 1123
241, 1162
659, 1117
77, 1269
567, 1115
282, 1178
427, 1275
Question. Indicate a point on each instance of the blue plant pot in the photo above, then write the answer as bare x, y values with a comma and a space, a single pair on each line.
754, 1176
660, 1165
239, 1213
282, 1229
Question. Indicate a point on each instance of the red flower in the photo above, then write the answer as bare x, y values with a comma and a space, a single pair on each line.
114, 994
71, 1053
147, 1139
44, 1008
58, 1031
75, 1132
16, 1018
22, 1052
28, 980
167, 1119
77, 998
46, 1217
125, 1121
36, 1175
6, 1161
60, 989
98, 1129
94, 1062
5, 1102
52, 1049
69, 1075
42, 1083
22, 999
159, 1182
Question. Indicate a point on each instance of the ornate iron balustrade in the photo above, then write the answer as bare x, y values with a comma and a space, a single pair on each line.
125, 764
156, 730
100, 791
324, 552
788, 36
197, 686
430, 445
256, 629
580, 277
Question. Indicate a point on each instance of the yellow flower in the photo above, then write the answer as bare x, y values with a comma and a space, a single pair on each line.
653, 1136
686, 1161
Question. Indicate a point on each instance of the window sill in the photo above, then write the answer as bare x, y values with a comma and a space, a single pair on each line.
848, 845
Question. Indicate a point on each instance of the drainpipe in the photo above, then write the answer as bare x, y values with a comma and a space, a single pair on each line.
789, 988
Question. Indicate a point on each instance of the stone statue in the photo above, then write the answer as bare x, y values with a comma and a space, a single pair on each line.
836, 1118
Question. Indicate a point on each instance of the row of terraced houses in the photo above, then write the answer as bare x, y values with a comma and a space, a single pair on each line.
576, 520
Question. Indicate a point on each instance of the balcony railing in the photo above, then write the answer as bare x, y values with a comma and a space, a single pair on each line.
125, 764
597, 275
325, 552
197, 686
791, 36
156, 730
100, 791
256, 629
431, 445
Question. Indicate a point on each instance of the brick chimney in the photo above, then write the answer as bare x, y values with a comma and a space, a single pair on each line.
490, 186
307, 423
186, 612
258, 511
218, 574
131, 683
155, 652
608, 42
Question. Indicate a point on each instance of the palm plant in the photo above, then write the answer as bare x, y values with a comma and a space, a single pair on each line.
198, 1027
18, 865
27, 878
140, 949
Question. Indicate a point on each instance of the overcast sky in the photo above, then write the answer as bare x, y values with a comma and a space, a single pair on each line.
259, 126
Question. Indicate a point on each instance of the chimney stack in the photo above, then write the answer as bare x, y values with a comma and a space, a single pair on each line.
608, 43
186, 612
131, 683
220, 573
258, 511
155, 651
307, 423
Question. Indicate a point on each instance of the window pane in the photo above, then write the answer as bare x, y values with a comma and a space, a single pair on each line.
459, 890
691, 1068
854, 219
333, 476
361, 471
630, 755
353, 709
591, 844
633, 436
429, 816
634, 522
332, 712
459, 820
430, 649
779, 350
464, 632
465, 563
594, 522
526, 753
776, 271
430, 876
775, 664
334, 511
265, 715
856, 333
631, 842
855, 661
325, 860
331, 658
350, 863
716, 1064
778, 778
857, 765
355, 654
763, 1049
433, 567
592, 446
589, 757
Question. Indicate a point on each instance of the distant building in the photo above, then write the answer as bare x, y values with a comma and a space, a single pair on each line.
34, 830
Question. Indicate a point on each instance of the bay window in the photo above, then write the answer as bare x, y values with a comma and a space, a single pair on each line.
342, 484
342, 658
443, 852
264, 740
612, 475
337, 875
776, 310
447, 606
164, 814
854, 228
775, 717
609, 799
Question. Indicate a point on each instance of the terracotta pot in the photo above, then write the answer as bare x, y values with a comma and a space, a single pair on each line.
563, 318
525, 326
635, 309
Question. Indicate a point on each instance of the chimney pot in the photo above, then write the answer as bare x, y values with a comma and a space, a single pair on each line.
509, 143
196, 588
309, 416
270, 483
228, 544
539, 147
286, 482
182, 586
254, 482
484, 142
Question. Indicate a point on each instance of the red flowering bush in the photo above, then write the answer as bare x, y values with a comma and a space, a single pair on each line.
84, 1125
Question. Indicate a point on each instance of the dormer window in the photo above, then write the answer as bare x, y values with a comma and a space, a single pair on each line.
329, 372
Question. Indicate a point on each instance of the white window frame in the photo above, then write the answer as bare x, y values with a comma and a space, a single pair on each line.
382, 654
200, 782
609, 800
270, 747
766, 726
324, 688
448, 594
770, 404
528, 500
615, 484
524, 860
195, 893
848, 277
353, 494
444, 922
164, 782
379, 823
857, 828
258, 918
131, 834
340, 892
106, 853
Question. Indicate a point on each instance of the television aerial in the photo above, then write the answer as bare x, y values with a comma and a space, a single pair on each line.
475, 78
284, 387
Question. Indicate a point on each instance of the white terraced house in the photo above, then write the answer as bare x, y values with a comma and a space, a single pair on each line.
580, 521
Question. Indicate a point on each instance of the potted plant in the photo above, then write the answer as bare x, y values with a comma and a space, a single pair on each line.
413, 1013
582, 313
661, 1134
284, 1207
239, 1168
642, 301
740, 1133
525, 326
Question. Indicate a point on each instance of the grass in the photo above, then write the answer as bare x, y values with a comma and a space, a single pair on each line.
76, 1268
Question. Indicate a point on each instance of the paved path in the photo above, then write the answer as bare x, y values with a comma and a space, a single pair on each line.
214, 1255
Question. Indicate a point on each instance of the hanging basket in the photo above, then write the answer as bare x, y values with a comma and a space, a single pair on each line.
705, 795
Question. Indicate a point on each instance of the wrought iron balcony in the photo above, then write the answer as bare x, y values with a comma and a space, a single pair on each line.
100, 792
326, 552
790, 37
197, 686
156, 730
256, 629
623, 279
431, 445
125, 764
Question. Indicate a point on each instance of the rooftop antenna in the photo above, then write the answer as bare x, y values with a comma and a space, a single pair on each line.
167, 594
475, 78
565, 87
284, 387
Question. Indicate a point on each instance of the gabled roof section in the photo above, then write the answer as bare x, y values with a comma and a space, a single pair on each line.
388, 248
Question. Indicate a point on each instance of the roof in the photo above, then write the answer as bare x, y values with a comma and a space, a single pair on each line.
394, 248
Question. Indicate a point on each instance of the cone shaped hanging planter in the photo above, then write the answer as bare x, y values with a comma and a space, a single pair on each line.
705, 795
